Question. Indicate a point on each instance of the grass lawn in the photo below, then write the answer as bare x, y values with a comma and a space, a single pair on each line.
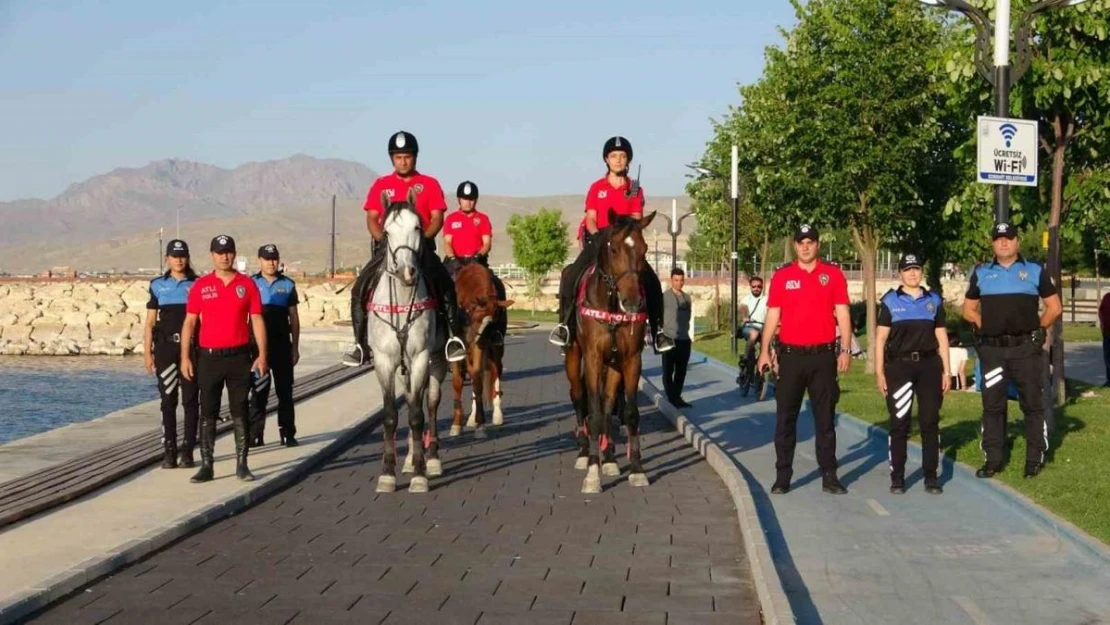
1082, 333
1076, 481
521, 314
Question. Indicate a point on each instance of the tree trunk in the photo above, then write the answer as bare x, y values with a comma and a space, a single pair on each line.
764, 250
1055, 393
716, 297
867, 245
786, 250
935, 269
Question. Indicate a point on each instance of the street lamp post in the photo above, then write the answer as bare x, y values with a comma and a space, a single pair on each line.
1000, 74
674, 228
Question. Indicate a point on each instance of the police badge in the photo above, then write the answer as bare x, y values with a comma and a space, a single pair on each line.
241, 291
418, 187
823, 279
931, 307
1022, 275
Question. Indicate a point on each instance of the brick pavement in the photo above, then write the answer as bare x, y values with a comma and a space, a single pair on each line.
504, 536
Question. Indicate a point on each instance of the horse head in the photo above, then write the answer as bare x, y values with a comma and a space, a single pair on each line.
621, 257
404, 238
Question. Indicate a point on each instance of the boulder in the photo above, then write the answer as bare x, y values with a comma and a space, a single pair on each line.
20, 308
60, 306
75, 318
14, 349
100, 316
42, 319
76, 332
17, 334
110, 302
8, 319
110, 332
46, 332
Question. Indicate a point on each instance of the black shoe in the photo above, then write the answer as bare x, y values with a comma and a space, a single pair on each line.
781, 486
932, 486
205, 474
356, 357
682, 403
169, 458
897, 487
291, 441
831, 485
185, 459
986, 471
242, 472
1032, 469
663, 343
257, 441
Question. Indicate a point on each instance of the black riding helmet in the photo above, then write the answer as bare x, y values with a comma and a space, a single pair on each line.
467, 191
617, 144
403, 142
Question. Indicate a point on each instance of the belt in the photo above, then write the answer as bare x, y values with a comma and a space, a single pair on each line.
1006, 340
225, 351
914, 356
171, 338
821, 348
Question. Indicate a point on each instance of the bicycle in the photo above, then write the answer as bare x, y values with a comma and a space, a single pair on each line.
750, 380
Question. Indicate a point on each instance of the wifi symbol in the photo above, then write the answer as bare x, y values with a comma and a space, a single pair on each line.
1008, 132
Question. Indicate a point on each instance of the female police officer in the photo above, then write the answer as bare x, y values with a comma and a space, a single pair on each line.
165, 314
911, 360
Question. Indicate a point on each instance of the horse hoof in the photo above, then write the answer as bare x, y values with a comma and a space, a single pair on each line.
498, 418
592, 484
480, 433
581, 463
611, 469
471, 422
434, 467
386, 484
639, 480
418, 484
407, 468
456, 430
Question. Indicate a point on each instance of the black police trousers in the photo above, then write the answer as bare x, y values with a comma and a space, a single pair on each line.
1024, 366
215, 370
433, 269
280, 380
675, 362
906, 380
800, 372
171, 385
591, 248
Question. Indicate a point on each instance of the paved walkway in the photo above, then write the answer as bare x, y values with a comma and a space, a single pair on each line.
967, 556
1083, 361
504, 537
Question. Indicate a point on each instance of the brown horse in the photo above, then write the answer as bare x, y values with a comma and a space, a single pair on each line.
479, 304
606, 353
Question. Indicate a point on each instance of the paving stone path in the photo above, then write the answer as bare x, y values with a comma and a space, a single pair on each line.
504, 536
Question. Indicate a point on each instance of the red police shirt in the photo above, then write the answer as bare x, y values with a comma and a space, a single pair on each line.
429, 195
807, 302
224, 309
602, 196
466, 231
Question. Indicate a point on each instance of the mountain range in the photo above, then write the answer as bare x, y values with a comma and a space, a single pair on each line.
112, 221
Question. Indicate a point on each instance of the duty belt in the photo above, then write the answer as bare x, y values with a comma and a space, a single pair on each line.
820, 348
1006, 340
914, 356
225, 351
171, 338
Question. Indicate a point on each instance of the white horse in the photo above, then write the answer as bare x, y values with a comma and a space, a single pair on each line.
408, 347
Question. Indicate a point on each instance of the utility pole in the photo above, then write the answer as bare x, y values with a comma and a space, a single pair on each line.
331, 262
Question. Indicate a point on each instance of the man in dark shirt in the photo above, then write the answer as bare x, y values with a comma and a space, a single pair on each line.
283, 334
1001, 302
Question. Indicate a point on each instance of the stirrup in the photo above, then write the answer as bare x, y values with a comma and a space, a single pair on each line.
460, 346
560, 336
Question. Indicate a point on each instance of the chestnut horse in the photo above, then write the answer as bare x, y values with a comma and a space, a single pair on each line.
478, 304
605, 354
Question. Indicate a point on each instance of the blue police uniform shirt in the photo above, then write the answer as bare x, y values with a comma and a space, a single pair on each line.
1010, 297
168, 296
277, 298
913, 321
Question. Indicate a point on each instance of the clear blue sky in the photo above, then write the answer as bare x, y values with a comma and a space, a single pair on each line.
518, 96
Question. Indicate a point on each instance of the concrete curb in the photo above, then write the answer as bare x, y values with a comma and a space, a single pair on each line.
95, 568
774, 604
1061, 528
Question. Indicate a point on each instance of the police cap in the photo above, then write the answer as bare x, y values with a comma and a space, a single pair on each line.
1004, 230
909, 261
806, 231
269, 252
222, 243
177, 248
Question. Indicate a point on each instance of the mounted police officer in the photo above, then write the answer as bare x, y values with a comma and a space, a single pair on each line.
165, 315
468, 238
911, 360
626, 198
1001, 302
430, 205
283, 335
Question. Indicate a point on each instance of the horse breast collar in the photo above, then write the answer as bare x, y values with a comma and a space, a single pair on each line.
604, 316
401, 309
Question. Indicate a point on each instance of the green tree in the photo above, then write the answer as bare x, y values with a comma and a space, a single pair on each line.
539, 245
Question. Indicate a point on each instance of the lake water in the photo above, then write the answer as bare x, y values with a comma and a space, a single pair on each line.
40, 393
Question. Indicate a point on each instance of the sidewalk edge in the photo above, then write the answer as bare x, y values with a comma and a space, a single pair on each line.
774, 604
57, 587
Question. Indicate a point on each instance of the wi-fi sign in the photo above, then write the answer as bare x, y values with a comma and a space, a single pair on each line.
1008, 132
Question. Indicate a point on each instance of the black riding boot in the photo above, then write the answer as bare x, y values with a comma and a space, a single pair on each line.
169, 454
185, 457
207, 451
361, 354
241, 448
455, 348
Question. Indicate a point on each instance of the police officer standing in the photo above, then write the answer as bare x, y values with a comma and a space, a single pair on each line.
283, 336
809, 297
1001, 302
911, 360
430, 205
468, 237
165, 314
229, 309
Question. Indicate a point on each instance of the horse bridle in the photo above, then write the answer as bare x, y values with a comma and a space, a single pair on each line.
611, 280
402, 332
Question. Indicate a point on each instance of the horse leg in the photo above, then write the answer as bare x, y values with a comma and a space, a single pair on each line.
414, 397
594, 372
477, 387
498, 366
387, 481
431, 432
573, 364
609, 464
631, 416
457, 386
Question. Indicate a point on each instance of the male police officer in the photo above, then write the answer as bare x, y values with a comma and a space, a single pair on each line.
1001, 302
229, 308
430, 205
911, 360
616, 191
810, 298
468, 237
283, 336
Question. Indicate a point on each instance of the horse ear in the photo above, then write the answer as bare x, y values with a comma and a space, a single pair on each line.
411, 197
504, 303
385, 201
647, 220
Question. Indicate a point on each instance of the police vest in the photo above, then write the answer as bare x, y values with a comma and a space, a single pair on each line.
168, 296
277, 298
